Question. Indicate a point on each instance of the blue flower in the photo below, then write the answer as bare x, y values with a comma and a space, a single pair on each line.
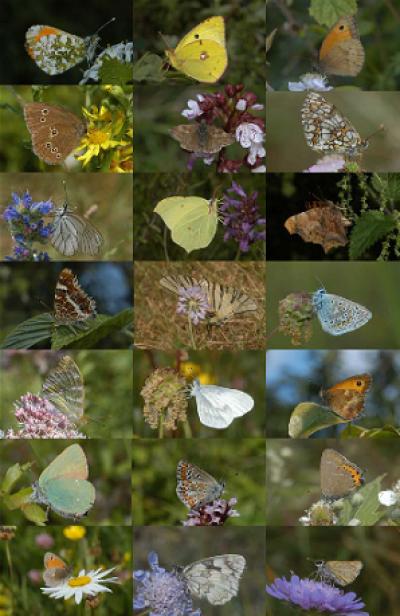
163, 592
309, 595
193, 302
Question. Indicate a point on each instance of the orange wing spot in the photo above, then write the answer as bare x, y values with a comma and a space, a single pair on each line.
55, 563
339, 34
45, 32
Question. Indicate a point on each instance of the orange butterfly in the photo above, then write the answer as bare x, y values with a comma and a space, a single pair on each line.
347, 397
341, 51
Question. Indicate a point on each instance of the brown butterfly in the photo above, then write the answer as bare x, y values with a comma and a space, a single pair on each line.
322, 224
71, 304
347, 397
56, 570
201, 137
341, 51
55, 131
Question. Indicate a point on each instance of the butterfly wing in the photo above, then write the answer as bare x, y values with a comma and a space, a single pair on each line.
339, 315
215, 579
347, 398
218, 406
226, 302
67, 230
341, 52
64, 388
342, 572
91, 240
320, 225
56, 570
338, 476
201, 138
69, 497
53, 50
195, 487
71, 303
69, 464
176, 283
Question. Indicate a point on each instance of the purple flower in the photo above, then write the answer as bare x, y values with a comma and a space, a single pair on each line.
241, 217
163, 592
212, 514
309, 595
193, 302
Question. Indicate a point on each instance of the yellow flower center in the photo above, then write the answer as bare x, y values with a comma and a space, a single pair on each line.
83, 580
98, 137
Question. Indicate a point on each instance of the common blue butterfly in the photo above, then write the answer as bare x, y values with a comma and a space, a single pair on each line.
337, 314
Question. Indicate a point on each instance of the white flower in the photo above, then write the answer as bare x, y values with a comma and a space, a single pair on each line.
387, 498
331, 163
120, 51
90, 584
241, 105
260, 169
194, 110
310, 81
251, 136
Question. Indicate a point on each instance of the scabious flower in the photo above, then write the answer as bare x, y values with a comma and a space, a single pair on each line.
212, 514
193, 302
27, 226
241, 217
123, 52
39, 419
86, 584
165, 399
310, 81
311, 595
162, 592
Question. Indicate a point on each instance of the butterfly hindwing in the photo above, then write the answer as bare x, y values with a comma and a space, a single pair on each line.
215, 579
195, 487
64, 388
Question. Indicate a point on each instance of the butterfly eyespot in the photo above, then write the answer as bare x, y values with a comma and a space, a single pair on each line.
53, 132
54, 150
204, 56
58, 156
48, 145
43, 119
44, 112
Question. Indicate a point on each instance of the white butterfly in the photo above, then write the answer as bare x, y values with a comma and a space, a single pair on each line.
64, 388
224, 302
219, 406
216, 578
72, 234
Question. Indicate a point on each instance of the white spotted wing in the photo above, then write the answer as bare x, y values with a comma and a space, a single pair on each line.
216, 578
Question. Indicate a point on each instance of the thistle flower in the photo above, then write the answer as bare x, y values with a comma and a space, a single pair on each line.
311, 595
165, 399
86, 584
310, 81
193, 302
162, 592
241, 217
212, 514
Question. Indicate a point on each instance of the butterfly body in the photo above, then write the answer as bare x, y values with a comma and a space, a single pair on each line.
71, 304
195, 487
341, 572
216, 578
347, 397
201, 138
341, 52
55, 571
55, 131
64, 388
201, 53
219, 406
338, 315
339, 477
72, 234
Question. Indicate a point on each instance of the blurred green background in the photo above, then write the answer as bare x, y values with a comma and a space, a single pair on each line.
238, 463
76, 18
293, 472
182, 546
109, 472
107, 377
299, 37
374, 285
287, 149
297, 376
244, 371
108, 198
152, 237
20, 586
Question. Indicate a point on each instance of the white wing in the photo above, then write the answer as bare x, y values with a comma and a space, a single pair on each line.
215, 579
219, 406
73, 234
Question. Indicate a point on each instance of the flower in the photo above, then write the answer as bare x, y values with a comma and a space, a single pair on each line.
121, 51
89, 583
309, 595
44, 541
295, 317
74, 533
331, 163
163, 592
193, 302
310, 81
194, 110
241, 217
165, 399
212, 514
388, 498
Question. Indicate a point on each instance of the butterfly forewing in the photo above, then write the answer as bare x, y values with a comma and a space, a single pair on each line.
215, 579
341, 572
201, 137
347, 397
339, 477
53, 50
71, 303
73, 234
56, 570
64, 388
195, 487
341, 52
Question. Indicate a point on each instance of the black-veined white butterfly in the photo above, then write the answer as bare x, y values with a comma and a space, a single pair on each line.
64, 388
224, 302
73, 234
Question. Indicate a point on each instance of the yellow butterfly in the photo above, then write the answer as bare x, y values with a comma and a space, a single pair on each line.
201, 53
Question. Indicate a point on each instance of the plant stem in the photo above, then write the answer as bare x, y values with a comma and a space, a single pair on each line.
161, 428
193, 343
9, 561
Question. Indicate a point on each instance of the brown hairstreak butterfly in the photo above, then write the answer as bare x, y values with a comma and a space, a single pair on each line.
347, 397
339, 476
55, 131
341, 572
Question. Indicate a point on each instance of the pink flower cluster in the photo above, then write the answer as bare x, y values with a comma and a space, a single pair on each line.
212, 514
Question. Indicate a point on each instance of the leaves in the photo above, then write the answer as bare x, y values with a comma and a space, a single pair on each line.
369, 511
30, 332
101, 327
308, 418
114, 71
370, 227
149, 68
327, 13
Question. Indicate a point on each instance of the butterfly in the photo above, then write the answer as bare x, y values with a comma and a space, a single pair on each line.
341, 51
55, 571
72, 234
341, 572
339, 477
71, 304
219, 406
322, 224
201, 137
224, 302
195, 488
201, 53
192, 220
64, 388
56, 51
327, 130
338, 315
55, 131
347, 397
215, 579
63, 485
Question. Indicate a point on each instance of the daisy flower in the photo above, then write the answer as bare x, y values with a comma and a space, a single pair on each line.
88, 584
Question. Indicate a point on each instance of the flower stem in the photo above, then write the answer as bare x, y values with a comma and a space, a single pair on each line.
238, 253
187, 429
161, 428
9, 560
193, 343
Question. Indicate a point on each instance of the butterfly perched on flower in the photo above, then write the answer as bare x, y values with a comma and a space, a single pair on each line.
56, 570
195, 487
337, 314
347, 398
201, 137
328, 131
215, 579
64, 388
72, 306
73, 234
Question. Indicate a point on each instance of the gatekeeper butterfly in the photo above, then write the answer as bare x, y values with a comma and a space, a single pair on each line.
347, 397
341, 51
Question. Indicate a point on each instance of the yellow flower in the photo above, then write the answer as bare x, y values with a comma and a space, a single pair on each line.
189, 369
104, 115
95, 141
206, 378
74, 533
122, 160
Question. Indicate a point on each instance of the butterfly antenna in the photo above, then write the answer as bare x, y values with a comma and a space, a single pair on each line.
319, 281
19, 98
106, 24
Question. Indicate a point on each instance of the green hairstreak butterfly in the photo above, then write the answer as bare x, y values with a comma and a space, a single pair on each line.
63, 485
341, 572
339, 476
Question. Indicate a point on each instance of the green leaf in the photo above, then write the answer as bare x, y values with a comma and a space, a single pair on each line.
309, 417
98, 328
369, 228
327, 13
387, 431
30, 332
13, 474
18, 499
149, 68
369, 511
387, 183
35, 514
115, 72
